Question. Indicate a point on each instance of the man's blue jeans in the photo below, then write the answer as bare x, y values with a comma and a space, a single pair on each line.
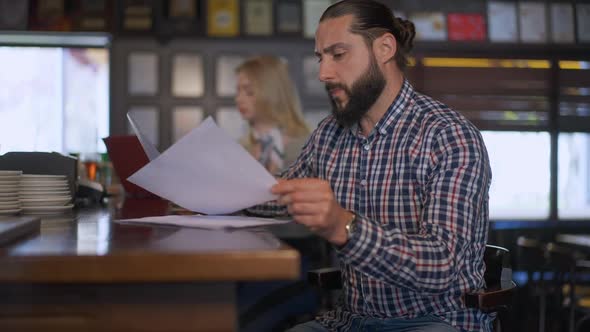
420, 324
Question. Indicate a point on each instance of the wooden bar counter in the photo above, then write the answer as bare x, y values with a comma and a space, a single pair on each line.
88, 273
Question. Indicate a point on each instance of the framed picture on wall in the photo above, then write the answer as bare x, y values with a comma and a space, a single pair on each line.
185, 119
223, 18
258, 17
533, 22
288, 17
14, 14
182, 9
50, 15
430, 26
312, 11
137, 16
188, 79
148, 119
562, 23
94, 16
225, 74
583, 19
181, 17
142, 73
466, 26
502, 24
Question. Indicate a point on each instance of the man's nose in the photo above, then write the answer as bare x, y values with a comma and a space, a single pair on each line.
326, 73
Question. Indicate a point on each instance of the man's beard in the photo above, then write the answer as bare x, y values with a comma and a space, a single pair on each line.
361, 96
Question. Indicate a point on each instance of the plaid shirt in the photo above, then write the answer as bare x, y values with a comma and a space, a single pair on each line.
419, 185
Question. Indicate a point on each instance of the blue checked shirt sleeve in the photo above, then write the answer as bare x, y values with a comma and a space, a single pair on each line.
454, 195
301, 168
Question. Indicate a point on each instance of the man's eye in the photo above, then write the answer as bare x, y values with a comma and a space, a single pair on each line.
338, 56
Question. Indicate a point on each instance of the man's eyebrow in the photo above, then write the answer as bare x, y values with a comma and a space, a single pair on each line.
331, 49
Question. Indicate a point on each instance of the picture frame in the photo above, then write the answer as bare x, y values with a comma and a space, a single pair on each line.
258, 17
185, 119
288, 14
147, 118
223, 18
142, 73
188, 75
137, 16
14, 15
225, 74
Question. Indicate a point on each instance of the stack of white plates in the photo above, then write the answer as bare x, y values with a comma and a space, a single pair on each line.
9, 201
45, 194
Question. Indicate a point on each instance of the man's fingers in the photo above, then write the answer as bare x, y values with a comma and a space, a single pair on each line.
287, 186
282, 188
304, 197
304, 209
284, 199
309, 221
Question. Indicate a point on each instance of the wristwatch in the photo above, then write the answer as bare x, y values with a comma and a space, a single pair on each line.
351, 225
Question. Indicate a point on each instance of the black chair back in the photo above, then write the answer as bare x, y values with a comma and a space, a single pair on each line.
498, 273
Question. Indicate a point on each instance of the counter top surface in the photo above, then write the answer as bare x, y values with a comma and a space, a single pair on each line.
88, 246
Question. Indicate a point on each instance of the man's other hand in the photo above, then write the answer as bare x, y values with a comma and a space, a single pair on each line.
311, 202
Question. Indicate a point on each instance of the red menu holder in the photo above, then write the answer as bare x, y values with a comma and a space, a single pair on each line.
127, 156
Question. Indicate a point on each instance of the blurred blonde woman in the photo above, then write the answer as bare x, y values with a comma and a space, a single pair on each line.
267, 99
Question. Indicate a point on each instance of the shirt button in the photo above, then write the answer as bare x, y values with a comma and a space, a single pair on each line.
383, 131
367, 147
363, 182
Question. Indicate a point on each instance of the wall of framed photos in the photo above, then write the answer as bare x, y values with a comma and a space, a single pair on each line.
493, 21
173, 60
172, 87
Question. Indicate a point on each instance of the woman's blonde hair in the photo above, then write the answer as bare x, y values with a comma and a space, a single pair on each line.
277, 100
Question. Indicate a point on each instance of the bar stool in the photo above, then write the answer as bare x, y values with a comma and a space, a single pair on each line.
582, 266
530, 257
562, 262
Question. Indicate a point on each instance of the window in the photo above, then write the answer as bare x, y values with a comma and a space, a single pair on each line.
54, 99
521, 106
574, 175
520, 174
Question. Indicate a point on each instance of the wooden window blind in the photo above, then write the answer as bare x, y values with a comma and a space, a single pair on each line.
574, 96
495, 94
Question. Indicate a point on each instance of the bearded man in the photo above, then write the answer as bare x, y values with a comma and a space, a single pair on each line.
397, 182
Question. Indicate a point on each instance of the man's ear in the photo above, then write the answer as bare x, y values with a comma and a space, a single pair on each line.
384, 47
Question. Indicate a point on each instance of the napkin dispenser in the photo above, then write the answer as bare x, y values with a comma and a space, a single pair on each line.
50, 163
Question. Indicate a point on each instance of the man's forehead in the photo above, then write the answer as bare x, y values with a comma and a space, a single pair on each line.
334, 32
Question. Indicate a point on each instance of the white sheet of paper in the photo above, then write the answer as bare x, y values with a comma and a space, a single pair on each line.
148, 147
209, 222
207, 171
